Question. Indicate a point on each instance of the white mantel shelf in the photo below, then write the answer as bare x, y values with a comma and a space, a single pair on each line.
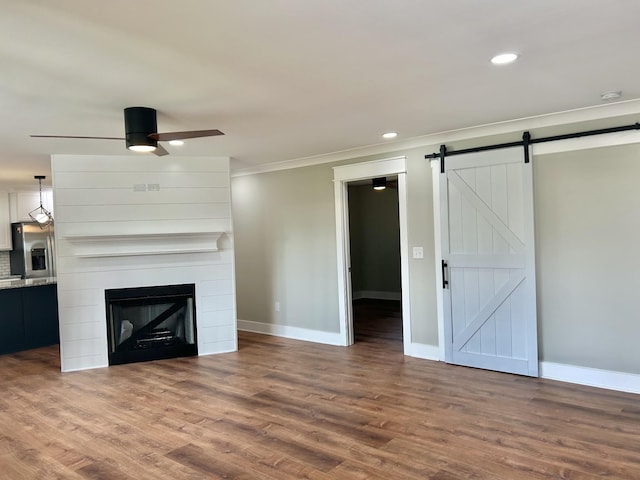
134, 244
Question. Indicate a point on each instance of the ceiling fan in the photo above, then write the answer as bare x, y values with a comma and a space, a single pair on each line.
141, 132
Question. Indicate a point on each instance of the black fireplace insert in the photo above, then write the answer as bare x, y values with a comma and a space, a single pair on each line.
151, 323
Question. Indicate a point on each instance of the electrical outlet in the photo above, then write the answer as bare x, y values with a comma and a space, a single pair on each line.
277, 306
418, 252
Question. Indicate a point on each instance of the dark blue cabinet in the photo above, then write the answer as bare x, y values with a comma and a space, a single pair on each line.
11, 321
28, 318
40, 309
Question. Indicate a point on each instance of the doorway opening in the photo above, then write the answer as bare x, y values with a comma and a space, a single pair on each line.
343, 176
374, 246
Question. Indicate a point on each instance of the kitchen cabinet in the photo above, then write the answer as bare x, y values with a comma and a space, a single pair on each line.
11, 322
5, 222
29, 318
22, 203
40, 314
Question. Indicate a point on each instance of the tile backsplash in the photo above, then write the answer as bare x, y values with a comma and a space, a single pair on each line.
5, 267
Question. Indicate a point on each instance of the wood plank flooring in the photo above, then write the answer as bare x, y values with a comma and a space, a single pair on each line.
284, 409
376, 321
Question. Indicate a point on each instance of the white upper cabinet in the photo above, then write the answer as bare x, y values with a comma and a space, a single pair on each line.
24, 202
5, 222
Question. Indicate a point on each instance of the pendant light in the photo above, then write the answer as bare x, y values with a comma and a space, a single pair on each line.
41, 214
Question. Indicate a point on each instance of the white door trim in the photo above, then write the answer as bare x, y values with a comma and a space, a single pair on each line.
437, 242
359, 171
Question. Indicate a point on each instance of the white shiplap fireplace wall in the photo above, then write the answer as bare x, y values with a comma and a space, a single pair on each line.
136, 221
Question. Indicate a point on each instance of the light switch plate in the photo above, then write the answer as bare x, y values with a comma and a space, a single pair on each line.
418, 252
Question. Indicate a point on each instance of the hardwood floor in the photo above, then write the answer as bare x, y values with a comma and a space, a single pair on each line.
284, 409
378, 321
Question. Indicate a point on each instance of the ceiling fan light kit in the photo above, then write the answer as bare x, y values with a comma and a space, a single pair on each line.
139, 122
141, 132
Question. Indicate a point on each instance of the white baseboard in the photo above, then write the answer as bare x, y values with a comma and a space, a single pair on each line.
422, 350
593, 377
376, 295
295, 333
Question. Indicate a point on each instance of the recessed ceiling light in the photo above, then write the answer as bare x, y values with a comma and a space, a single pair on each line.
176, 142
389, 135
612, 95
504, 58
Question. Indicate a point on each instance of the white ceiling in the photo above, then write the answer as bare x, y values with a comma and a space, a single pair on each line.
287, 79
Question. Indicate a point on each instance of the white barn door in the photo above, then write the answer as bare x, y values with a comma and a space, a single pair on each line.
489, 300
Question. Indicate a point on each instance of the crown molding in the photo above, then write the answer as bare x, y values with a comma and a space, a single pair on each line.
585, 114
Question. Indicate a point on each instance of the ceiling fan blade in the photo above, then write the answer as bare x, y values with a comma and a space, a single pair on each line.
163, 137
75, 136
160, 151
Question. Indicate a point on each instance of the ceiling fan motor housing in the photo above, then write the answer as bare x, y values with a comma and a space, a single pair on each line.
139, 122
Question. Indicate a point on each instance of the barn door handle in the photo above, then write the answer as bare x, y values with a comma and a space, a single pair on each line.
445, 282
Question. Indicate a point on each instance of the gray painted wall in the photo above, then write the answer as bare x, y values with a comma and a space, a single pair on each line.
285, 241
587, 225
588, 266
374, 233
286, 248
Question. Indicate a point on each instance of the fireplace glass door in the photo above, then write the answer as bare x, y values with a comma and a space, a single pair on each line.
151, 323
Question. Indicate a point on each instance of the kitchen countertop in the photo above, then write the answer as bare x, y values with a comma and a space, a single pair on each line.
29, 282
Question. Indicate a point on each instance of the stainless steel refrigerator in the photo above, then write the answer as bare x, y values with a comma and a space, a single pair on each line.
33, 254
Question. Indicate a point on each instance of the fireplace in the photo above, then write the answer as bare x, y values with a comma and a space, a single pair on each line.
151, 323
